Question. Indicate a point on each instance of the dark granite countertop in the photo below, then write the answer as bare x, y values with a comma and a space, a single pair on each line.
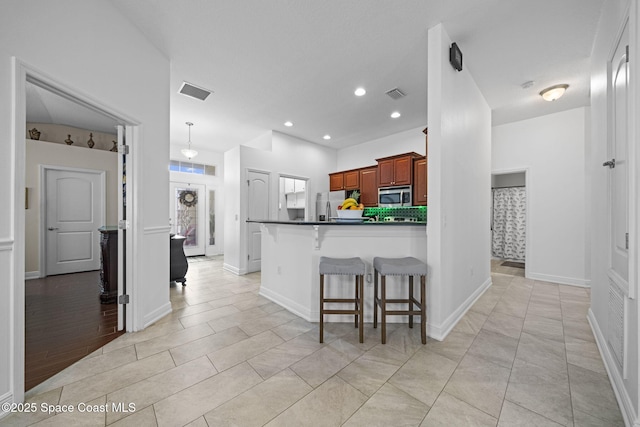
340, 222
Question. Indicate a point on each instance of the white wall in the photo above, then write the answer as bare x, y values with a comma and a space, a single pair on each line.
365, 154
552, 150
106, 60
613, 16
459, 176
46, 153
288, 156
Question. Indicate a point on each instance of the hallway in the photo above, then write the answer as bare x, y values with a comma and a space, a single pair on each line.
523, 354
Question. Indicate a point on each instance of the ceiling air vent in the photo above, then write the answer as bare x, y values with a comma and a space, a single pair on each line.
395, 93
194, 91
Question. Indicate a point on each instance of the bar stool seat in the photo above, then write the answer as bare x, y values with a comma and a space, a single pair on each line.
408, 266
343, 266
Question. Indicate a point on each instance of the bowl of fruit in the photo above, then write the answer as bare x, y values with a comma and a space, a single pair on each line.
350, 209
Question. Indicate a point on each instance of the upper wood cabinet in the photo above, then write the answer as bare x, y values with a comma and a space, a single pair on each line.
396, 170
348, 180
369, 186
420, 181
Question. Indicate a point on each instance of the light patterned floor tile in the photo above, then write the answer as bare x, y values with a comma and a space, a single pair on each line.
331, 404
197, 400
448, 411
513, 415
389, 406
262, 403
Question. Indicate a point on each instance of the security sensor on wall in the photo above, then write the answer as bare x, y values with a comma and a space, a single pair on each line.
455, 57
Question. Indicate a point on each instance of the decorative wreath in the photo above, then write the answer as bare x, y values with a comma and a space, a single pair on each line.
188, 198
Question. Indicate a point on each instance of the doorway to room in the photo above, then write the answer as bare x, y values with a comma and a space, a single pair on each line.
509, 221
75, 186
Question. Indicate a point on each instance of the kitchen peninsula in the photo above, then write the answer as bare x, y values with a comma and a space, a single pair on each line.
291, 251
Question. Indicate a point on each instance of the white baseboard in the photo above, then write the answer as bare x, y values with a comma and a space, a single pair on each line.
288, 304
574, 281
30, 275
5, 398
234, 270
617, 383
440, 332
156, 315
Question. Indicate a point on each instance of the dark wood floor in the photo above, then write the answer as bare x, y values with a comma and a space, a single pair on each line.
64, 321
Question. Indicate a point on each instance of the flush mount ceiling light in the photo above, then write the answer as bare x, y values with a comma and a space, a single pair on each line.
188, 152
395, 115
554, 92
288, 124
360, 91
327, 137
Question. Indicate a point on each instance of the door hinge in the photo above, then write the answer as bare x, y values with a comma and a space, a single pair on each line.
627, 53
611, 163
626, 240
123, 224
248, 257
248, 183
123, 299
123, 149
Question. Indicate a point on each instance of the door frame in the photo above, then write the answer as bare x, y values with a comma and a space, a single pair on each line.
43, 205
21, 72
527, 227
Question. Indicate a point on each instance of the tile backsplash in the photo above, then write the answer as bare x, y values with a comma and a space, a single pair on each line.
419, 212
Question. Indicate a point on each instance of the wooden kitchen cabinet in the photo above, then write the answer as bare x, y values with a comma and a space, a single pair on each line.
396, 170
369, 186
420, 182
347, 180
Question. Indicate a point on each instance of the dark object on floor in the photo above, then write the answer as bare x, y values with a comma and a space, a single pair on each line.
178, 264
513, 264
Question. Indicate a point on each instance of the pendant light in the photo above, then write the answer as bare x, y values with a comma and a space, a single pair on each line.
188, 152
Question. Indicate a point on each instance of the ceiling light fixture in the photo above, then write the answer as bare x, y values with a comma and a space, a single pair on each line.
327, 137
554, 92
395, 115
360, 91
188, 152
288, 124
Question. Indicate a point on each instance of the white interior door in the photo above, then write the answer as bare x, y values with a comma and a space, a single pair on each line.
187, 215
257, 208
74, 212
618, 168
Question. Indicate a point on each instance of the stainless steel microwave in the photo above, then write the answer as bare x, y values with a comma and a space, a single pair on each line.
394, 196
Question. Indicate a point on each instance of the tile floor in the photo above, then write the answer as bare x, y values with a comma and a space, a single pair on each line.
523, 355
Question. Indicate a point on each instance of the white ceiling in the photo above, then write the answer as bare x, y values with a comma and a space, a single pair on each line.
300, 60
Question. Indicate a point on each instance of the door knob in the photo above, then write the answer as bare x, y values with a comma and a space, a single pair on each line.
53, 228
611, 163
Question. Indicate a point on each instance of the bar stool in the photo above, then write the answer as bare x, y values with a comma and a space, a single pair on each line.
343, 266
408, 266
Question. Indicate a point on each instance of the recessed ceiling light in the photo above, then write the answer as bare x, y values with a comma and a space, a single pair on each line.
327, 137
554, 92
288, 124
395, 115
360, 91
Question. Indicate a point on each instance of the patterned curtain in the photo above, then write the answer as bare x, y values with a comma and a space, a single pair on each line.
509, 215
